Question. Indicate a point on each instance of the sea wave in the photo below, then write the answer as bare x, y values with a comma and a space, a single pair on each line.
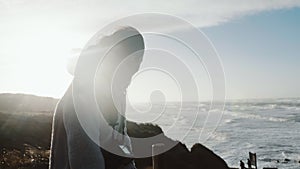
254, 116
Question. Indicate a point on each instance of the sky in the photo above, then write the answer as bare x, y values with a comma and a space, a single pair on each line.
257, 41
260, 54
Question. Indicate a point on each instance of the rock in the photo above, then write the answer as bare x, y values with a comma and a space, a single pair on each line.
179, 156
206, 158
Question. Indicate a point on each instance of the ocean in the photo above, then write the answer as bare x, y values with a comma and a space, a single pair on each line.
268, 127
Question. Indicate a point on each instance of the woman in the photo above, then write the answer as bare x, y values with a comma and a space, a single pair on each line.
71, 146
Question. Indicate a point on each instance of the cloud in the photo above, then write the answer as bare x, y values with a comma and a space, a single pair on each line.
86, 14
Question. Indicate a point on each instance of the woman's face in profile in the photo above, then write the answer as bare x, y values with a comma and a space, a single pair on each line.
119, 65
125, 71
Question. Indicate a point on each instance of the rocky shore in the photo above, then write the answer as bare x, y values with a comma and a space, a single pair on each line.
25, 139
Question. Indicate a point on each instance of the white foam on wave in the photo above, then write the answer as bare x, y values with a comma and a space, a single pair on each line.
218, 136
255, 116
228, 120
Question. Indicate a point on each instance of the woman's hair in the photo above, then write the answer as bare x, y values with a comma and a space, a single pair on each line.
129, 38
120, 34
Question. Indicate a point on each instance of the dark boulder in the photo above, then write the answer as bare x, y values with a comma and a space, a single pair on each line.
179, 156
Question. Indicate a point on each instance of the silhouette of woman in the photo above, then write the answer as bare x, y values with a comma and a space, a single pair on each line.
71, 147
